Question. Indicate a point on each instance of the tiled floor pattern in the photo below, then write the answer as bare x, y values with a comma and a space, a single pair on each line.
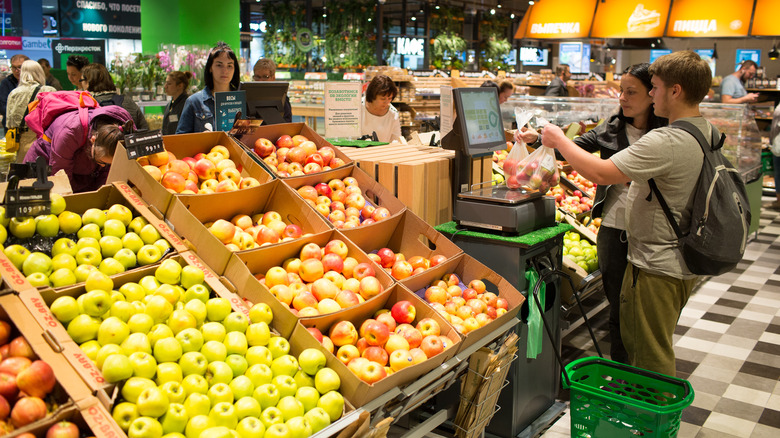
727, 345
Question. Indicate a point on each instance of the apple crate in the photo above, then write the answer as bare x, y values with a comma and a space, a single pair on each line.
188, 214
273, 132
38, 303
102, 198
358, 391
467, 269
244, 268
406, 234
183, 145
581, 279
372, 191
90, 417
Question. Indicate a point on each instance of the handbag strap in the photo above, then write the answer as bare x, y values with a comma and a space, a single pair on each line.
27, 111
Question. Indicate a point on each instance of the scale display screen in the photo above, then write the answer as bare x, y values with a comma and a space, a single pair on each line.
480, 115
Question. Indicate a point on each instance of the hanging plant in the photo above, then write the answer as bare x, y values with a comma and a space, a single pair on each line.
448, 45
347, 25
494, 44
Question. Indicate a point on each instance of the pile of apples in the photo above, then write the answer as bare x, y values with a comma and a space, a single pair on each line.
67, 247
25, 382
467, 308
584, 184
244, 232
500, 156
531, 174
212, 172
398, 267
580, 251
574, 203
343, 203
322, 280
191, 365
592, 224
386, 343
296, 155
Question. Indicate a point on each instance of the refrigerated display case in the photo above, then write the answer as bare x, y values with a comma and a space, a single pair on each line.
558, 110
743, 139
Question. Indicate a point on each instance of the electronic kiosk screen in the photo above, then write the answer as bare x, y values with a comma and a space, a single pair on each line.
265, 100
478, 120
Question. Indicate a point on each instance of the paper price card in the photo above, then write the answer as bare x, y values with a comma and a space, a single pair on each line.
342, 109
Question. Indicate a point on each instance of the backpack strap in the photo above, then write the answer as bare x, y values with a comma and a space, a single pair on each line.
27, 111
84, 113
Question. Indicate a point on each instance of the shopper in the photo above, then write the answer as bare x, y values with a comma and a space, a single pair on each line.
557, 86
265, 70
505, 89
634, 118
85, 162
378, 114
221, 74
50, 79
31, 82
10, 82
774, 140
656, 283
732, 89
73, 67
97, 80
176, 85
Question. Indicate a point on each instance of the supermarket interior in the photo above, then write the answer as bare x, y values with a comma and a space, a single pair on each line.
375, 218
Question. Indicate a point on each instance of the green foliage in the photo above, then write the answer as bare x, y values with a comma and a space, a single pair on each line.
448, 45
494, 44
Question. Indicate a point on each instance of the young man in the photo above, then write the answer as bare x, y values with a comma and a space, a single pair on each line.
10, 82
265, 70
557, 86
732, 89
657, 283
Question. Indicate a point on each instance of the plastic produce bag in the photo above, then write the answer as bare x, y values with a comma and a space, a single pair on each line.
535, 324
537, 171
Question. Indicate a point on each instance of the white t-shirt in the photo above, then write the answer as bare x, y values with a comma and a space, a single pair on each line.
615, 202
387, 127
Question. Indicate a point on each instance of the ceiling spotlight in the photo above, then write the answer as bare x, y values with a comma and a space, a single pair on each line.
492, 12
715, 51
774, 54
531, 2
498, 6
414, 18
512, 16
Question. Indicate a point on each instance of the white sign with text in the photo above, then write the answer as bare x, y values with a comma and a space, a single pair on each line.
342, 109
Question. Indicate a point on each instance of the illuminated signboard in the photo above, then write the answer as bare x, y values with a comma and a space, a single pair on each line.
630, 19
765, 22
558, 19
534, 56
709, 18
410, 46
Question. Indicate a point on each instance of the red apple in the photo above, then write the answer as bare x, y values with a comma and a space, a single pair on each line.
375, 332
36, 380
5, 408
412, 336
316, 159
27, 410
327, 154
431, 345
372, 372
363, 270
21, 348
264, 147
403, 312
346, 353
386, 257
380, 213
316, 333
5, 332
8, 388
437, 259
401, 269
436, 294
428, 326
370, 287
387, 319
376, 354
14, 365
63, 429
342, 333
292, 231
285, 141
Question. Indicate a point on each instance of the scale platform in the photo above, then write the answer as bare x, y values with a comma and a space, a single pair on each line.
505, 210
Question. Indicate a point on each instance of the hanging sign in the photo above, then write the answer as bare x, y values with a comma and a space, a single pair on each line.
765, 22
342, 109
709, 18
304, 39
630, 19
410, 46
558, 19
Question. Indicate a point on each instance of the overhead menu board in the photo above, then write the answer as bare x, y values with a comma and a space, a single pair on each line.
630, 19
557, 20
765, 22
709, 18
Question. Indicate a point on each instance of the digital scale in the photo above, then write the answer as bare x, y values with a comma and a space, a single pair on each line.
505, 210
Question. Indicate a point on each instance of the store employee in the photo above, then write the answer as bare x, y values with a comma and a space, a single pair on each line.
378, 114
265, 70
732, 89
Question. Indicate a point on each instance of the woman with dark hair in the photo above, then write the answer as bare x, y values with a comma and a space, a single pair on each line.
505, 89
175, 86
97, 80
221, 74
378, 114
633, 120
73, 67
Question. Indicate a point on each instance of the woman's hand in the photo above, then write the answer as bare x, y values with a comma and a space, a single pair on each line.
553, 136
528, 135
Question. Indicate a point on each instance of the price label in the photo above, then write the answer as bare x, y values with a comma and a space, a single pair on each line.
141, 144
29, 200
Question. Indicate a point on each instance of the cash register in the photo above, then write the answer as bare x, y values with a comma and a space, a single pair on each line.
477, 132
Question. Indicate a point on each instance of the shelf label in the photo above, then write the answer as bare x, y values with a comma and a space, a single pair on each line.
342, 109
143, 143
229, 105
31, 200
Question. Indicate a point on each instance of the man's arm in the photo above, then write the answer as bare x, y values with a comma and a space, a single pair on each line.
593, 168
750, 97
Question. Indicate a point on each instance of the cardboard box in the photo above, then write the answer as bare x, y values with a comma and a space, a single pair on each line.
91, 417
357, 391
188, 214
183, 145
468, 268
103, 198
579, 276
38, 302
243, 267
406, 234
273, 132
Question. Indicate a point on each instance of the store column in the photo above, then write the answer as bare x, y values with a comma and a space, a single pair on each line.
195, 22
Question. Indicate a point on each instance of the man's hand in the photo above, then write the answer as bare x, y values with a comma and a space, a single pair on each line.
751, 97
528, 135
553, 136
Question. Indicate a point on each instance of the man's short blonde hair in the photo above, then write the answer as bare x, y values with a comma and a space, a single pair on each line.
687, 69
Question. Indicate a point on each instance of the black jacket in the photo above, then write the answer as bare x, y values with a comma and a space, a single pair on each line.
6, 87
172, 114
557, 88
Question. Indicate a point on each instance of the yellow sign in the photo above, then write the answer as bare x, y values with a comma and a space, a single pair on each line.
557, 20
630, 19
765, 22
709, 18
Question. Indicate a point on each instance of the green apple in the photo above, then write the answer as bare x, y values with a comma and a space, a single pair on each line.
64, 309
197, 292
168, 372
87, 242
111, 266
144, 364
134, 386
140, 323
250, 427
303, 379
16, 254
158, 332
290, 407
218, 309
97, 280
140, 307
241, 386
277, 431
126, 258
82, 271
278, 346
136, 341
57, 203
90, 348
112, 331
169, 292
312, 360
124, 413
158, 308
116, 367
4, 220
163, 245
235, 343
308, 396
89, 256
104, 352
114, 228
174, 435
47, 225
37, 262
259, 374
218, 372
38, 279
64, 245
237, 364
63, 260
137, 224
267, 395
258, 334
149, 283
121, 213
333, 403
145, 427
197, 403
193, 363
132, 241
213, 331
83, 328
174, 391
259, 355
3, 235
197, 423
132, 291
121, 309
97, 302
70, 222
270, 416
214, 351
149, 234
148, 254
89, 230
197, 309
220, 393
193, 383
175, 418
22, 227
299, 427
191, 340
191, 276
167, 350
318, 419
218, 432
285, 365
285, 384
109, 245
94, 216
236, 322
327, 380
180, 320
246, 407
169, 272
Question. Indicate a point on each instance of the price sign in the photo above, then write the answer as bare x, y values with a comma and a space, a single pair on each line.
29, 200
143, 143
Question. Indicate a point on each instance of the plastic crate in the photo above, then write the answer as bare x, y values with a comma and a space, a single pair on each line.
610, 399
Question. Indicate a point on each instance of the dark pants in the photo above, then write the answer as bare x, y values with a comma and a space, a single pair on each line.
776, 165
612, 249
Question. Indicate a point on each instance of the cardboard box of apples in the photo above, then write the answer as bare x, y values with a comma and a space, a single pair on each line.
323, 273
347, 197
223, 159
274, 214
403, 245
381, 344
450, 287
72, 420
111, 230
292, 149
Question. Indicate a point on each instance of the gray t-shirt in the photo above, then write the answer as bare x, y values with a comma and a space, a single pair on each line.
732, 86
673, 158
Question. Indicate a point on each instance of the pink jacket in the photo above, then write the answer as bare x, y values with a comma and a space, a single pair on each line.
66, 150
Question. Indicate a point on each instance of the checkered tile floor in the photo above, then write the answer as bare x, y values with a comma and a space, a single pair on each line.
727, 345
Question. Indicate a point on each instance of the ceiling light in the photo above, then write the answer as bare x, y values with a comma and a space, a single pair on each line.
492, 12
512, 16
414, 18
715, 51
774, 54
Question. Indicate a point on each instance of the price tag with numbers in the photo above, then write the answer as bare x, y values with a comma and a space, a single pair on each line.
143, 143
29, 200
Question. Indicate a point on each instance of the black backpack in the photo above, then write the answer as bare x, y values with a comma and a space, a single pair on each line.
720, 216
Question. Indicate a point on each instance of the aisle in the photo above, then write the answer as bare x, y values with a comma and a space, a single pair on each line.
727, 345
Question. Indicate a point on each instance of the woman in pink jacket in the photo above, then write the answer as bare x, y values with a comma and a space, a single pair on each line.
85, 162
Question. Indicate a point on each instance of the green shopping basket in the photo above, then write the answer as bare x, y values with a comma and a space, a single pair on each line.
612, 400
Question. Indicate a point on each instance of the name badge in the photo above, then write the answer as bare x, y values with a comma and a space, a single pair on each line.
173, 118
